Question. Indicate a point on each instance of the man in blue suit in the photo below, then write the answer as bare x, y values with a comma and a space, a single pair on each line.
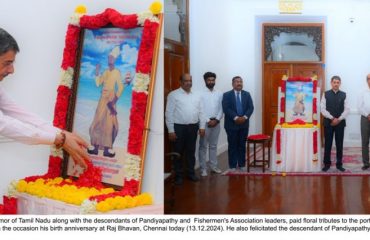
238, 107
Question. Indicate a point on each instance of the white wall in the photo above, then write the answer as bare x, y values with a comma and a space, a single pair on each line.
225, 37
40, 26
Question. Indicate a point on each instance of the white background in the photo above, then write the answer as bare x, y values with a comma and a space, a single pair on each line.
39, 26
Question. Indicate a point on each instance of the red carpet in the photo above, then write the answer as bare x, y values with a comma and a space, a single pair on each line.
352, 162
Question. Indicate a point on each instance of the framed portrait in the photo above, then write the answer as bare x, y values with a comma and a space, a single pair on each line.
105, 94
298, 104
298, 101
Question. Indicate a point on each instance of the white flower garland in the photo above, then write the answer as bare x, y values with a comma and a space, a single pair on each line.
88, 206
141, 17
132, 167
56, 152
66, 77
75, 19
141, 82
12, 189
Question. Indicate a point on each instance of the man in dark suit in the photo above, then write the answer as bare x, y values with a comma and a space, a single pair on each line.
238, 107
335, 109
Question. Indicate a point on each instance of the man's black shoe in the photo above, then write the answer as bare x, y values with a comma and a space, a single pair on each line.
365, 167
326, 168
94, 151
193, 178
342, 169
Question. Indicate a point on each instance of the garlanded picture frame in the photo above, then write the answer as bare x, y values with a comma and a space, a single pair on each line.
87, 191
285, 121
142, 89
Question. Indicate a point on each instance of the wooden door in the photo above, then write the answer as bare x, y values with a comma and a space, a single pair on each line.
273, 73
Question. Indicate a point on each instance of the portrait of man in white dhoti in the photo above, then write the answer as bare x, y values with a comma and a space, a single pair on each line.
103, 99
298, 104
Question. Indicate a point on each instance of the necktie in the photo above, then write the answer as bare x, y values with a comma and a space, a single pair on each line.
239, 108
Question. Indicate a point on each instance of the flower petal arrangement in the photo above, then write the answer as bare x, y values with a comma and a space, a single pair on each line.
88, 191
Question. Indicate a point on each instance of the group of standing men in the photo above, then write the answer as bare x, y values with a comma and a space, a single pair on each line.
189, 112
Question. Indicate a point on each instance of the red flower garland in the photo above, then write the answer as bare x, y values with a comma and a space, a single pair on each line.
144, 59
278, 141
61, 107
315, 142
282, 104
71, 45
298, 121
137, 118
10, 205
283, 85
299, 79
109, 16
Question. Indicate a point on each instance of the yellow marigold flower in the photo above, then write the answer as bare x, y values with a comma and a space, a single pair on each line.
58, 180
144, 199
120, 202
131, 202
81, 9
107, 190
39, 181
156, 7
22, 186
103, 206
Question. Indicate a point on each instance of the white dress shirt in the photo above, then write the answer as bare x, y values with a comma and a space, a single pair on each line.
184, 108
212, 102
328, 115
364, 103
20, 125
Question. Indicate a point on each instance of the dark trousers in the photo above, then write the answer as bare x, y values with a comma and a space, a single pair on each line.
237, 139
185, 146
330, 132
365, 135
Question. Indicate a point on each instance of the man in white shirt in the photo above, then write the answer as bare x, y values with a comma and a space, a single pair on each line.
212, 99
23, 126
335, 109
184, 116
364, 108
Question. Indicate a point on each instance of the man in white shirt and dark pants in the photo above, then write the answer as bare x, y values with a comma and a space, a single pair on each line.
364, 108
212, 100
335, 109
184, 116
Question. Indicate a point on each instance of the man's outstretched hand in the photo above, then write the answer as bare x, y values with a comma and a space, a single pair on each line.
76, 147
